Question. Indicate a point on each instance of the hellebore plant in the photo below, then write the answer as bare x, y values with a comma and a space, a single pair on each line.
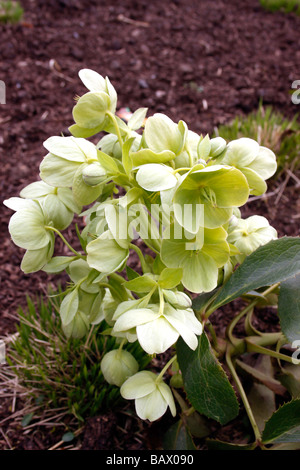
154, 187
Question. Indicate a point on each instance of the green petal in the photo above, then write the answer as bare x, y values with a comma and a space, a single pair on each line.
264, 163
156, 336
34, 260
200, 273
92, 80
78, 327
151, 407
168, 397
141, 157
66, 196
135, 317
27, 227
69, 148
89, 112
36, 190
78, 131
155, 177
241, 152
105, 254
69, 307
256, 183
57, 171
214, 217
161, 133
228, 184
216, 246
57, 212
189, 209
139, 385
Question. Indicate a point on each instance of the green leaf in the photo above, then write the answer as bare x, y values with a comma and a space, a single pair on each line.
274, 262
69, 307
206, 384
58, 264
140, 284
289, 308
178, 437
284, 424
170, 278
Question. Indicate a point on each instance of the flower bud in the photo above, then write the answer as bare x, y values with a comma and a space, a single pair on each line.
117, 366
93, 174
218, 145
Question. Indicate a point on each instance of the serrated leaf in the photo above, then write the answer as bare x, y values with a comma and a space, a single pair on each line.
289, 308
274, 262
284, 424
206, 384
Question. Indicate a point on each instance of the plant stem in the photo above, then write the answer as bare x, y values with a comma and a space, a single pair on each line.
166, 367
141, 257
47, 227
242, 394
243, 312
114, 121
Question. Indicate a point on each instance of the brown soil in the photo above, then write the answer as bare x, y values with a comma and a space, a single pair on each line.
204, 62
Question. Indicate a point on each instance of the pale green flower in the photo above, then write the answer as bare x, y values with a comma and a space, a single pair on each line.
90, 112
257, 163
200, 256
248, 234
152, 396
57, 202
157, 329
117, 366
28, 230
74, 162
209, 193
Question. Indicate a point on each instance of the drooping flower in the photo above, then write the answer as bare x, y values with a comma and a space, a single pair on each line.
28, 230
158, 329
152, 396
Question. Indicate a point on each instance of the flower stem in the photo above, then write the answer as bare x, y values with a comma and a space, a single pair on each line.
242, 395
47, 227
114, 121
141, 257
166, 367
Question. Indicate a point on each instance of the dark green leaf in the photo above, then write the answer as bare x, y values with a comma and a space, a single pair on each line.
284, 424
206, 384
220, 445
289, 307
269, 264
178, 437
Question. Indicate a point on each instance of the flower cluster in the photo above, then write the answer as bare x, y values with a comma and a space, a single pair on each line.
181, 194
